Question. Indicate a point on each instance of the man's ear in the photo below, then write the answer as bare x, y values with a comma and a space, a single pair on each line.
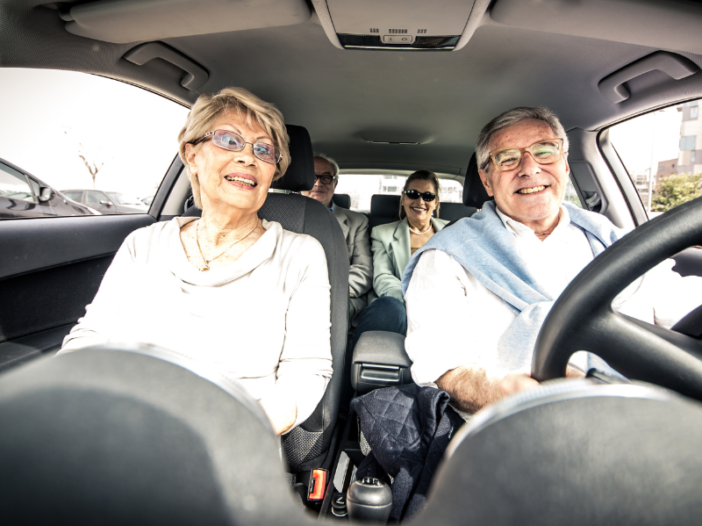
567, 166
486, 182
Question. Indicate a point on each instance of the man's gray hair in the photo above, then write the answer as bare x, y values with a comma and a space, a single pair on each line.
331, 161
510, 118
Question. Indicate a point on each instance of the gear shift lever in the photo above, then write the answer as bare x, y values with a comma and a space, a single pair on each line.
369, 500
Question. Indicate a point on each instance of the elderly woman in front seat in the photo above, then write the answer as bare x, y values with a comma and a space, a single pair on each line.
478, 292
242, 294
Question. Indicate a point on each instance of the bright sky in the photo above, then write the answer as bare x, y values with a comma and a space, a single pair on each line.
635, 138
47, 114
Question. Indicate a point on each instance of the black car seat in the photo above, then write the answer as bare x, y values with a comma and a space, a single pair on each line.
342, 200
307, 445
455, 211
474, 193
384, 209
116, 435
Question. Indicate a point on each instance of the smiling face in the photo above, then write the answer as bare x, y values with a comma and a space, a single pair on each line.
320, 191
531, 193
231, 181
419, 211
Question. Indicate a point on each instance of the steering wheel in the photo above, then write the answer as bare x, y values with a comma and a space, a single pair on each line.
583, 319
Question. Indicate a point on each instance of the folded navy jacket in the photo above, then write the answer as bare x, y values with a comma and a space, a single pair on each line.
408, 429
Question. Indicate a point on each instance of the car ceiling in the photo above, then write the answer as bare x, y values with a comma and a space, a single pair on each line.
516, 53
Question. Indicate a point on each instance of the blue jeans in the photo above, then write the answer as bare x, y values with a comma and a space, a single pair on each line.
384, 314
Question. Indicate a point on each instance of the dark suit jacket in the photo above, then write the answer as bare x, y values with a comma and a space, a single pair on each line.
355, 229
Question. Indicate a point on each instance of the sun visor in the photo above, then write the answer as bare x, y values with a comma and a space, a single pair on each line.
124, 21
403, 25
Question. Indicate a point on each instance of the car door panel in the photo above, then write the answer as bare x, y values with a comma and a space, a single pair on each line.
50, 269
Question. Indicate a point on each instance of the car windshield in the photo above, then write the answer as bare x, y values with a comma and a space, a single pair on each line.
123, 199
211, 293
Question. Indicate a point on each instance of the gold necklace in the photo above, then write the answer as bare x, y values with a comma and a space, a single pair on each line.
206, 266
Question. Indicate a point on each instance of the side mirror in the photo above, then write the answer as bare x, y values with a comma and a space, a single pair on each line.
45, 194
106, 202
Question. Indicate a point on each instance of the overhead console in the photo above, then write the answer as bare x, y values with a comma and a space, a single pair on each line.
400, 25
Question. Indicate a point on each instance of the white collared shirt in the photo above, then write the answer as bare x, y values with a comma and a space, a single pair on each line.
454, 320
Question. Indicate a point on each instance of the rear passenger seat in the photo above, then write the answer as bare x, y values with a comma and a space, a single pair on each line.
453, 211
342, 200
386, 208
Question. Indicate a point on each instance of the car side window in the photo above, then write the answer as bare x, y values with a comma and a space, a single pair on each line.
69, 132
662, 152
94, 198
362, 187
14, 186
73, 195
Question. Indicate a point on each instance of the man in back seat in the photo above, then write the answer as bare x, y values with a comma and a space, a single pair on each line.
355, 229
477, 293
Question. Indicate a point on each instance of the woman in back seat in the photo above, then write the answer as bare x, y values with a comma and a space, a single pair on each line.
393, 244
242, 295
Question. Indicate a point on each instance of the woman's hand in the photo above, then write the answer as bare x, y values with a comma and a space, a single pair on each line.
281, 411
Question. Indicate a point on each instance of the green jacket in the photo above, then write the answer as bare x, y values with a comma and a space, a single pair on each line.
390, 244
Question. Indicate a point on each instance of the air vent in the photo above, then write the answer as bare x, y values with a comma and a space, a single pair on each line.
374, 30
397, 31
421, 31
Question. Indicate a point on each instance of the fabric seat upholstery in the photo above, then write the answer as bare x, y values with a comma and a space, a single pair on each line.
342, 200
453, 211
474, 193
307, 445
384, 209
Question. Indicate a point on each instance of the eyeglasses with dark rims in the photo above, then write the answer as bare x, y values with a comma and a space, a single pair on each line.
416, 194
325, 178
232, 141
543, 152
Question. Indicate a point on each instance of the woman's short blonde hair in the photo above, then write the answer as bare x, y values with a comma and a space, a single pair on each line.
209, 107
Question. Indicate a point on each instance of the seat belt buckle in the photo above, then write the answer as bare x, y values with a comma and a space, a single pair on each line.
317, 485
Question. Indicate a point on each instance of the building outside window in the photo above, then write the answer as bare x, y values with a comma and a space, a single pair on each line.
687, 143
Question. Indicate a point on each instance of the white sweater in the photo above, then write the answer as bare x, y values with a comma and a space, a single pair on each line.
263, 321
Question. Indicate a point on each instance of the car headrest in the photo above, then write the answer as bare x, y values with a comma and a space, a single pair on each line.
300, 174
586, 454
474, 193
342, 200
118, 435
385, 206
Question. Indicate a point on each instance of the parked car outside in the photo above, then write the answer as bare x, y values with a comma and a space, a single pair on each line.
108, 202
24, 195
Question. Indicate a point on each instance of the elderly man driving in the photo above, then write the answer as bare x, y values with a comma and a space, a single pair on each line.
355, 229
497, 274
